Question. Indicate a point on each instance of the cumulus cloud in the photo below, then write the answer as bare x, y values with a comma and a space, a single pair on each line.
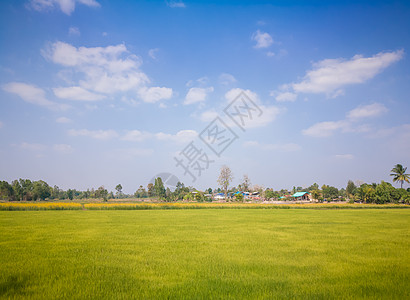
286, 97
102, 71
324, 129
366, 111
31, 94
95, 134
136, 136
182, 136
153, 53
226, 79
155, 94
74, 31
262, 39
349, 124
197, 94
269, 112
330, 76
176, 4
66, 6
63, 120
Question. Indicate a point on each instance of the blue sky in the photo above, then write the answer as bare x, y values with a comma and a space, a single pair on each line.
106, 92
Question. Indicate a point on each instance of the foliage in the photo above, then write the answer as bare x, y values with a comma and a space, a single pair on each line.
350, 188
399, 174
329, 192
159, 189
118, 188
239, 197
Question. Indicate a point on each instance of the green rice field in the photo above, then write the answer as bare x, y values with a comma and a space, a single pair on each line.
205, 254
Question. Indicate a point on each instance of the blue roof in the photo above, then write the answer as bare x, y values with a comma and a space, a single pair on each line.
299, 194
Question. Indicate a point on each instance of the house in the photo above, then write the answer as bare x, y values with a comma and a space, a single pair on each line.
302, 196
219, 196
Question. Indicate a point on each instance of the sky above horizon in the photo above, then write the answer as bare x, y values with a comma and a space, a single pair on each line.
98, 92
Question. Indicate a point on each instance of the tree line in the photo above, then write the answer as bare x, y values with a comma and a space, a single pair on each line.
384, 192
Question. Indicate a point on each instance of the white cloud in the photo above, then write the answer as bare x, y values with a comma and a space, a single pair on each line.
263, 39
31, 94
32, 147
196, 94
235, 92
105, 69
182, 136
63, 120
76, 93
270, 54
74, 31
154, 94
366, 111
286, 97
153, 53
226, 79
269, 113
63, 148
344, 156
95, 134
66, 6
208, 116
329, 76
135, 136
324, 129
176, 4
99, 71
268, 116
287, 147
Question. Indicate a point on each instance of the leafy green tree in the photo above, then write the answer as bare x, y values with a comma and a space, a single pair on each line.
26, 189
150, 189
18, 190
6, 191
350, 188
159, 189
399, 174
118, 188
239, 197
101, 193
366, 193
314, 186
70, 194
315, 194
41, 190
330, 192
141, 192
270, 194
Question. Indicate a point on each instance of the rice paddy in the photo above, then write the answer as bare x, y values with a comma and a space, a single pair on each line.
205, 253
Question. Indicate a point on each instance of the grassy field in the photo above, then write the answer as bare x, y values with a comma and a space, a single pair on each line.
206, 253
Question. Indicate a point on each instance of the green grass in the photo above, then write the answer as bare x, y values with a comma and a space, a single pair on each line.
205, 254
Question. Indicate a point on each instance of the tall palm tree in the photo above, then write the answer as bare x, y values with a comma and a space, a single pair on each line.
399, 174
